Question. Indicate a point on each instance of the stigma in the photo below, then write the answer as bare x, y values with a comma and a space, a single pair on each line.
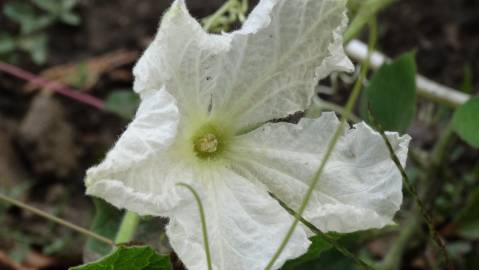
207, 144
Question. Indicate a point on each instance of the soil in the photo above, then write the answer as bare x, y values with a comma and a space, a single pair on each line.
444, 33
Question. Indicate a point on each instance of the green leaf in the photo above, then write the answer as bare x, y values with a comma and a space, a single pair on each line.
465, 122
69, 4
70, 18
24, 14
51, 6
130, 258
106, 222
391, 94
36, 46
318, 245
467, 220
7, 43
123, 103
60, 10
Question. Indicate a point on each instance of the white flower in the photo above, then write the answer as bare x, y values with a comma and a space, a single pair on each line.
205, 101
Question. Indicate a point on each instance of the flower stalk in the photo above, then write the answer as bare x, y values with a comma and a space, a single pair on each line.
128, 227
204, 229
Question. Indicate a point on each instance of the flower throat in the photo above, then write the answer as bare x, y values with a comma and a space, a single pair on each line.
209, 142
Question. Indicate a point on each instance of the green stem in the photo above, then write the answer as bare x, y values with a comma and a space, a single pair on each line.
211, 20
244, 9
56, 219
203, 224
412, 191
127, 229
367, 11
315, 180
325, 236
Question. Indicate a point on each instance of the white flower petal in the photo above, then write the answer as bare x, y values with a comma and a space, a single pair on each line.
139, 174
182, 58
266, 70
360, 187
245, 226
259, 17
276, 60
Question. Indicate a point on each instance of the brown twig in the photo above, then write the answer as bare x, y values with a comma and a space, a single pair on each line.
56, 220
94, 68
54, 86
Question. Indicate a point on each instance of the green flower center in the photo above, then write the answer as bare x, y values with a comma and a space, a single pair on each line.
209, 141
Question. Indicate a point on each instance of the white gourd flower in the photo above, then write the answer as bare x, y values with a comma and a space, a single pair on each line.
203, 121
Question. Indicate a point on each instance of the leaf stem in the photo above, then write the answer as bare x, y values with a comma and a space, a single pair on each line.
367, 11
203, 223
127, 229
326, 237
56, 219
332, 143
439, 152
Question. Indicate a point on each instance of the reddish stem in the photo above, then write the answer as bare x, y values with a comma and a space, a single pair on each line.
53, 86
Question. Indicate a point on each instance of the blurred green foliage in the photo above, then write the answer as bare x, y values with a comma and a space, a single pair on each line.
467, 220
33, 18
466, 122
391, 95
61, 11
123, 103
